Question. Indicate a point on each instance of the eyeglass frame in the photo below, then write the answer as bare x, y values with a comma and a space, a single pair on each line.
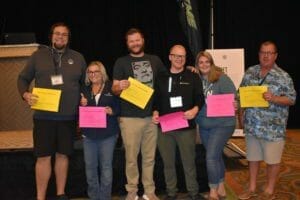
176, 56
267, 53
93, 72
61, 34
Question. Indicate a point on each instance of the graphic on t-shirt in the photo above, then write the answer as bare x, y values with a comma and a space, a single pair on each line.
142, 71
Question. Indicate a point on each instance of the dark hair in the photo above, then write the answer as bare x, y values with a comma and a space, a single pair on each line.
56, 25
133, 31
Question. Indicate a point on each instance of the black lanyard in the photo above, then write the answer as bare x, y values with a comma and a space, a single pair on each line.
263, 80
56, 57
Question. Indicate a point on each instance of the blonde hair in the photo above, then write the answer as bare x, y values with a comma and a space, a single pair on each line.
215, 71
101, 69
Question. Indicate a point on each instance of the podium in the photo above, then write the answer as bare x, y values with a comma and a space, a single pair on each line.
15, 114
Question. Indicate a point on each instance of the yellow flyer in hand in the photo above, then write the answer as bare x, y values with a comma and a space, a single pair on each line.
48, 99
252, 96
137, 93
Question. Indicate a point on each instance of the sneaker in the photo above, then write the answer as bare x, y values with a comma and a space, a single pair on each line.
267, 196
247, 195
132, 196
151, 196
62, 197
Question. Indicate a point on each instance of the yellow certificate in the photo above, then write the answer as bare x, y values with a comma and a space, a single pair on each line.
48, 99
252, 96
137, 93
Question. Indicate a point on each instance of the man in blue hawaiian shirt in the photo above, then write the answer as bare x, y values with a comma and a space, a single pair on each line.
265, 127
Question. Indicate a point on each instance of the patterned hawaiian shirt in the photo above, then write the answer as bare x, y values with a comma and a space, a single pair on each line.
268, 123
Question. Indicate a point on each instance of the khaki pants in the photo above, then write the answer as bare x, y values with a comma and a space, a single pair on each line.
139, 134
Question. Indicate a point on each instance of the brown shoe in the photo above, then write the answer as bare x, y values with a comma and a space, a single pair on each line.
267, 196
247, 195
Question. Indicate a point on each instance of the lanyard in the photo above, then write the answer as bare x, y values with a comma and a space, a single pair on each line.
176, 83
263, 80
170, 85
56, 56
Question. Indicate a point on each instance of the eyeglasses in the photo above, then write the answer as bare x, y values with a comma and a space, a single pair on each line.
176, 56
266, 53
61, 34
93, 72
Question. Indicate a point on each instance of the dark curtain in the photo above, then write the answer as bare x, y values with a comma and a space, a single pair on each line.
245, 24
98, 27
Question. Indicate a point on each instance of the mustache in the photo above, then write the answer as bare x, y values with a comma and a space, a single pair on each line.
137, 45
141, 46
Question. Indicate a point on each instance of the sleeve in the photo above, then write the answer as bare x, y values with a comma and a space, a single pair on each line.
161, 68
162, 72
243, 83
248, 75
116, 107
83, 71
86, 93
227, 85
114, 101
117, 70
26, 76
288, 89
156, 95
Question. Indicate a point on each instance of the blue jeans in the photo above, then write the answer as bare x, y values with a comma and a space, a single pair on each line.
98, 157
214, 140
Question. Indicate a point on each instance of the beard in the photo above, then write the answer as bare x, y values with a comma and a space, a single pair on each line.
134, 51
58, 46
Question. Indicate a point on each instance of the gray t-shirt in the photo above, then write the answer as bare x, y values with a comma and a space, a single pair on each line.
145, 69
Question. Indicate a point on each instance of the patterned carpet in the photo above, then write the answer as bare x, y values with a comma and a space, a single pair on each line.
288, 187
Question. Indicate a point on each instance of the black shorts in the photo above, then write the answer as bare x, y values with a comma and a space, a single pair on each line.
50, 136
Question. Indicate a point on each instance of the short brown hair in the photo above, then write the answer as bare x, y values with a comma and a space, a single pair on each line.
133, 31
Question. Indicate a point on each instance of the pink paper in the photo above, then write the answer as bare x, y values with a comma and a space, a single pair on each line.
172, 121
220, 105
92, 117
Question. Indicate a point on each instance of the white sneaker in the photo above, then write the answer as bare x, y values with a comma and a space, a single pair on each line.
132, 196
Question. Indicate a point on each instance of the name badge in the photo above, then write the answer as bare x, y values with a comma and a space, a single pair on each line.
176, 102
57, 79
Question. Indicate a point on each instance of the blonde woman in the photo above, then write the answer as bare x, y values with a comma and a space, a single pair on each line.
214, 131
99, 143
